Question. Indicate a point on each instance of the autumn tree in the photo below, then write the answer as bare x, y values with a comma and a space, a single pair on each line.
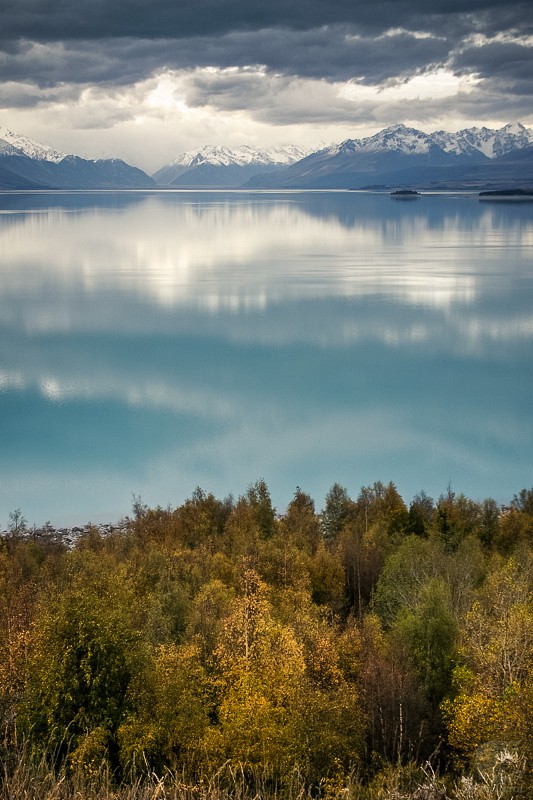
382, 503
301, 523
201, 519
260, 668
83, 659
168, 714
455, 518
392, 700
494, 679
404, 573
209, 609
420, 517
430, 632
258, 497
523, 501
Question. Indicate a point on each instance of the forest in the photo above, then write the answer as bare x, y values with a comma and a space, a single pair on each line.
371, 650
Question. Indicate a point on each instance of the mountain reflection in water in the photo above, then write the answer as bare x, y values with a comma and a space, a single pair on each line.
152, 342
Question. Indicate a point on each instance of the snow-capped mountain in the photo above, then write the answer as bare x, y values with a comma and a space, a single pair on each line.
397, 156
402, 156
219, 166
471, 141
17, 144
240, 156
354, 162
397, 138
492, 143
27, 164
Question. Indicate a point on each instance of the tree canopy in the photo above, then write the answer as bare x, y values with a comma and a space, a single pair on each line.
219, 638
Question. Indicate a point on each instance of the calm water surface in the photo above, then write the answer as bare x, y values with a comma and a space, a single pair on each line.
150, 343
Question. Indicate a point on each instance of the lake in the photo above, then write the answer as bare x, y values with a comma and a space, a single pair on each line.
155, 342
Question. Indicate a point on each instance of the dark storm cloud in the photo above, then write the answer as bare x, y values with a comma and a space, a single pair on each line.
332, 54
45, 21
122, 41
15, 95
509, 64
52, 50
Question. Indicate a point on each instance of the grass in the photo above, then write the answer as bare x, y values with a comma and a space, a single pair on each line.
24, 775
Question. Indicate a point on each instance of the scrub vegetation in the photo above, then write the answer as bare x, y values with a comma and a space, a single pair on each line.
371, 651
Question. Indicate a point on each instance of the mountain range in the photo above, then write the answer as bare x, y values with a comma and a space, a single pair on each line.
396, 157
227, 167
401, 157
26, 164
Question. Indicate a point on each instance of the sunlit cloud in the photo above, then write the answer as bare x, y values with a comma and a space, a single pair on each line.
146, 86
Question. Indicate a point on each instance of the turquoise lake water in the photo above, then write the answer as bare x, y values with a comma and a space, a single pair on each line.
155, 342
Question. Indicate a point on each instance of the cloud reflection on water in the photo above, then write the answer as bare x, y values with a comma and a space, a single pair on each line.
245, 255
232, 259
182, 339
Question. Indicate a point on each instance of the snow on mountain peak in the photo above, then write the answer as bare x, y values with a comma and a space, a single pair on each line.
399, 138
17, 144
515, 128
491, 143
242, 155
471, 141
7, 149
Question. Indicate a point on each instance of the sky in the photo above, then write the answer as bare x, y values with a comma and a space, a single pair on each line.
146, 80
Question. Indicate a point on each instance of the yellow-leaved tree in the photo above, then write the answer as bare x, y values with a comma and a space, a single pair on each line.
260, 669
494, 684
167, 725
285, 706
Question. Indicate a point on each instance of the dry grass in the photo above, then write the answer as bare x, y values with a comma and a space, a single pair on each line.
27, 777
24, 776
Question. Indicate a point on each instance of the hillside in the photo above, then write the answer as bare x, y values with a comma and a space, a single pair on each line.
404, 157
26, 164
224, 167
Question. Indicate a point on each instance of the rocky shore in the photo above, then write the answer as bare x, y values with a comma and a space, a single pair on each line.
69, 537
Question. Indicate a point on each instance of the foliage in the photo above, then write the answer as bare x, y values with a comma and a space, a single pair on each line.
494, 683
216, 649
82, 663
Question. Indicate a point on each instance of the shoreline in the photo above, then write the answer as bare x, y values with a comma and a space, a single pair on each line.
68, 536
